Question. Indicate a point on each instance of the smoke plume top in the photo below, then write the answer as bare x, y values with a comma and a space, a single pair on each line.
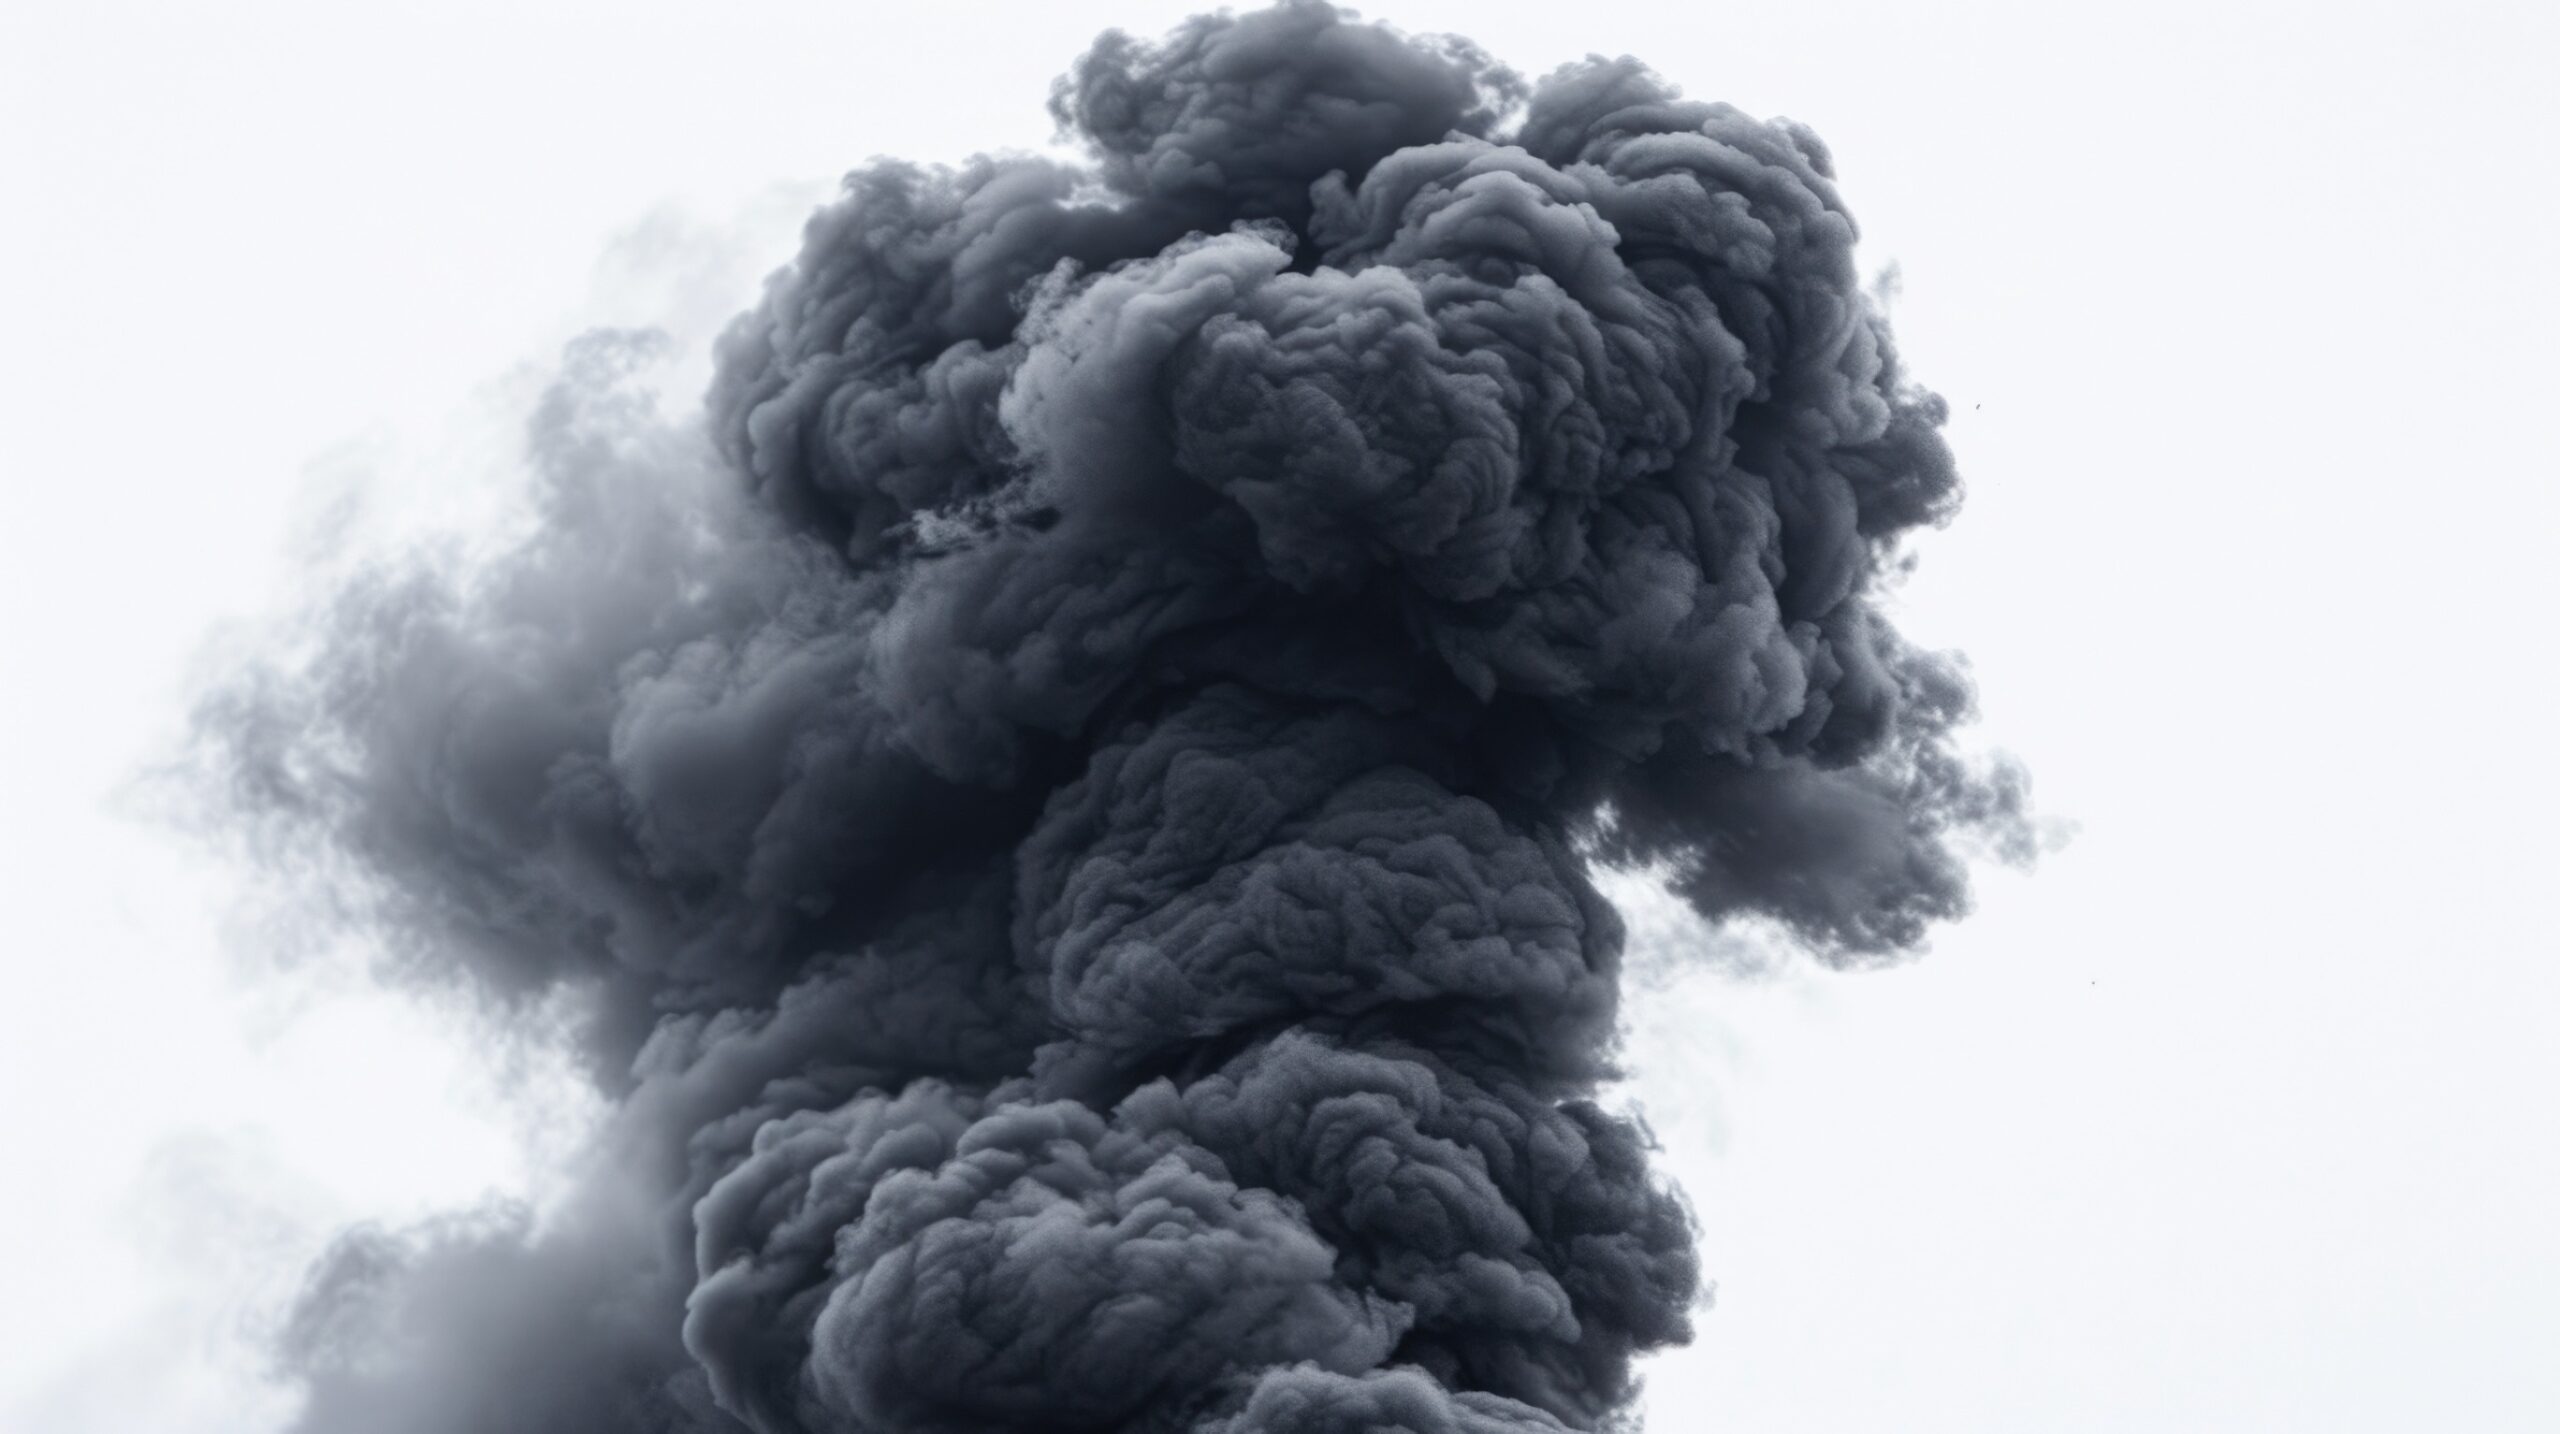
1066, 794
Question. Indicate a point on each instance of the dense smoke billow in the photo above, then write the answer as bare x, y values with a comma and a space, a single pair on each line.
1066, 795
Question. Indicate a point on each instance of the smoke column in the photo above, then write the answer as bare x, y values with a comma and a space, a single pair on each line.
1065, 803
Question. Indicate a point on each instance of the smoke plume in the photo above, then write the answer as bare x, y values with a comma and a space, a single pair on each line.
1065, 797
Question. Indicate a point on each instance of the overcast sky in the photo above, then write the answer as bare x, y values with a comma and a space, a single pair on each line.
2236, 1115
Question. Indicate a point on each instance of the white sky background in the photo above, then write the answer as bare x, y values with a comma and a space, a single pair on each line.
2237, 1115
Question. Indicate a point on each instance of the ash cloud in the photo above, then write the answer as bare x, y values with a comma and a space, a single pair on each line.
1068, 792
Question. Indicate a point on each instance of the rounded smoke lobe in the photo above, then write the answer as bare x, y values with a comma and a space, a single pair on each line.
1068, 798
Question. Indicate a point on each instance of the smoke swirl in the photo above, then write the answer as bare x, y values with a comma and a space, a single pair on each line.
1068, 798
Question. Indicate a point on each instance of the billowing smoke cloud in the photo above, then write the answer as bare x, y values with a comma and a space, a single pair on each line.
1067, 801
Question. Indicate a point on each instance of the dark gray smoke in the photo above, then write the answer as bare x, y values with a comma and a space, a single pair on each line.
1068, 802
